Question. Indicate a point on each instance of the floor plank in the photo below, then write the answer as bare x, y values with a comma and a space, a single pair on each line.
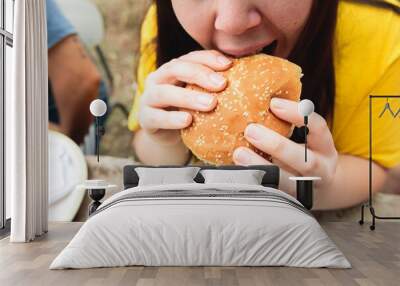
375, 257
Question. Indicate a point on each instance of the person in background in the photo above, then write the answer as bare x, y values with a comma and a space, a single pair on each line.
74, 80
347, 51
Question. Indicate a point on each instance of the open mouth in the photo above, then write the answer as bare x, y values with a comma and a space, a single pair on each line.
270, 49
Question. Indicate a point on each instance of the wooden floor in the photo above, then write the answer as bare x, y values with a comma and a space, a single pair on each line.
375, 257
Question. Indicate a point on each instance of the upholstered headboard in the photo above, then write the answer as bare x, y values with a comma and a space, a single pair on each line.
270, 179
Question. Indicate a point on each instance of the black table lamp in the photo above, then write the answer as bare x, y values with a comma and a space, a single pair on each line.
97, 188
98, 108
304, 185
305, 108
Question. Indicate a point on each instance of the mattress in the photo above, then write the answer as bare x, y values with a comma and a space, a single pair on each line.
201, 225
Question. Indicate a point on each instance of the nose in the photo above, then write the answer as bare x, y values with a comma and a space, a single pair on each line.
235, 17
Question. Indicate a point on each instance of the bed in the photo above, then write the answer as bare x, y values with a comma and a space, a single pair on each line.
201, 224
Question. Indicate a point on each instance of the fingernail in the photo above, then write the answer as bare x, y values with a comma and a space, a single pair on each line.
241, 156
217, 79
278, 103
205, 100
181, 118
223, 60
253, 132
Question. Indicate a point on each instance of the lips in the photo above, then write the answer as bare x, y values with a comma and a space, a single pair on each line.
269, 49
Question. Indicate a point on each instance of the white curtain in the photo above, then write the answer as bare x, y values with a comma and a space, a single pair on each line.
26, 123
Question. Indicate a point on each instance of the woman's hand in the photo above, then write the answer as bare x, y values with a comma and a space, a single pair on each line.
322, 156
164, 93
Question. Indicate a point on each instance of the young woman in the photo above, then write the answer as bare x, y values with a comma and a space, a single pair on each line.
347, 50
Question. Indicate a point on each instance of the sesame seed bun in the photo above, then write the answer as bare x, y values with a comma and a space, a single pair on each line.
252, 82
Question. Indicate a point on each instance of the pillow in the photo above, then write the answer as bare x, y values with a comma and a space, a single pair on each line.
165, 176
248, 177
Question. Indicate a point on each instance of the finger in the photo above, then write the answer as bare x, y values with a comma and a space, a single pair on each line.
154, 119
178, 70
319, 137
281, 148
211, 58
285, 167
245, 156
166, 95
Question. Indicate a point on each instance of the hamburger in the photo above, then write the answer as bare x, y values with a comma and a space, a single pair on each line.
252, 82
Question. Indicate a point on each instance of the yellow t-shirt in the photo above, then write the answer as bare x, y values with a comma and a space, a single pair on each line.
366, 62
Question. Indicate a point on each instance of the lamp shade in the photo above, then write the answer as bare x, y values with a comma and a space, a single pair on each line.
98, 107
306, 107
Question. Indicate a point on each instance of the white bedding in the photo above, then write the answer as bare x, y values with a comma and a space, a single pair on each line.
267, 228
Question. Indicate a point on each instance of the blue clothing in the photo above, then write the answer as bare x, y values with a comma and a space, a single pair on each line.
59, 27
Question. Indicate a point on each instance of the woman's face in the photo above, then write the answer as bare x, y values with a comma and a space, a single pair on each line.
239, 27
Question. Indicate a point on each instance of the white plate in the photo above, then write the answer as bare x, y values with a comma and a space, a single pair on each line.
67, 170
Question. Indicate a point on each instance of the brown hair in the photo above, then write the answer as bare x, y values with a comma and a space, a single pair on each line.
313, 51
